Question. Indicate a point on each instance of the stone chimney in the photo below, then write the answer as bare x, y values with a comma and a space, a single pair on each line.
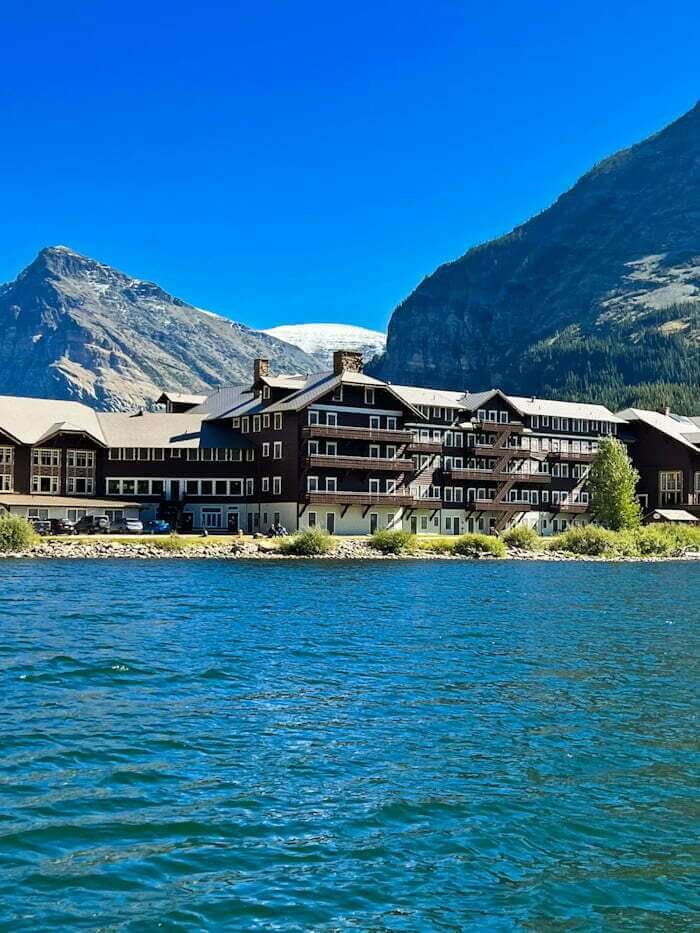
664, 410
260, 368
347, 361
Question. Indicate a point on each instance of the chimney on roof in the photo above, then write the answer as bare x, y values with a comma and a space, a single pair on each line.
261, 368
347, 361
664, 410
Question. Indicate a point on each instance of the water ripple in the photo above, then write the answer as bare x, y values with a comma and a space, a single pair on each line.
382, 746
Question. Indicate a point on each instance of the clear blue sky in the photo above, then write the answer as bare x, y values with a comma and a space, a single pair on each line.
311, 161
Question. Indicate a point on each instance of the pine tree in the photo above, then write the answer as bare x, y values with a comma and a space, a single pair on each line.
612, 482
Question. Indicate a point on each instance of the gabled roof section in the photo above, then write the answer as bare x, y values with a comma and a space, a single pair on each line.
292, 381
319, 384
30, 420
678, 427
224, 401
474, 400
434, 398
180, 398
555, 408
161, 429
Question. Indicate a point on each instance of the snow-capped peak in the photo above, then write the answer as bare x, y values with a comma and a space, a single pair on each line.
322, 339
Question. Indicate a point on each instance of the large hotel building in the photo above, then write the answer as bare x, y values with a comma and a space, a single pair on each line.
338, 450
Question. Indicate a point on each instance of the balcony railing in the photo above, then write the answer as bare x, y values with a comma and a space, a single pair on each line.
578, 456
342, 497
514, 426
357, 433
574, 507
458, 474
341, 462
424, 447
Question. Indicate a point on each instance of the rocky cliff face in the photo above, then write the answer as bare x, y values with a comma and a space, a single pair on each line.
597, 297
74, 328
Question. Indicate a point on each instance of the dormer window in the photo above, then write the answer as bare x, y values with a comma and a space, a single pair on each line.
369, 395
266, 392
338, 394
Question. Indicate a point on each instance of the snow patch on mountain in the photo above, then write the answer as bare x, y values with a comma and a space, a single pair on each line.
319, 340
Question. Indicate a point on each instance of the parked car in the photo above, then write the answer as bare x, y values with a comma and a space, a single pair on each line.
127, 526
92, 525
62, 526
157, 526
42, 526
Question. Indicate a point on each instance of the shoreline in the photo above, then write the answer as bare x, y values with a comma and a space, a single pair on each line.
105, 549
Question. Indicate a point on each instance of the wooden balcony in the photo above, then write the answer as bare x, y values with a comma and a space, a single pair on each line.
356, 433
575, 508
372, 464
341, 497
501, 476
425, 447
576, 456
515, 427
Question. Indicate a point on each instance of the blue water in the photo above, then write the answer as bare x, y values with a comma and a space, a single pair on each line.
408, 746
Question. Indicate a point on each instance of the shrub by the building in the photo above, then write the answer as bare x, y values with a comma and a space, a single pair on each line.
311, 543
523, 537
393, 542
16, 534
476, 545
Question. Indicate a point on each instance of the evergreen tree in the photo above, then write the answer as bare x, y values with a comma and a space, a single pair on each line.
612, 482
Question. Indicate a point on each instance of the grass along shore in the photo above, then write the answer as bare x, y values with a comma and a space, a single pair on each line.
590, 542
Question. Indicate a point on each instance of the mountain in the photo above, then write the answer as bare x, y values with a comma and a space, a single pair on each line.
597, 298
319, 340
74, 328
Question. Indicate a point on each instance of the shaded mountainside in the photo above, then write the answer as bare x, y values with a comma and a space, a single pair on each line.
597, 298
75, 328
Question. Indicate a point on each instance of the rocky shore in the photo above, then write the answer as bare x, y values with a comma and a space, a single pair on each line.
352, 549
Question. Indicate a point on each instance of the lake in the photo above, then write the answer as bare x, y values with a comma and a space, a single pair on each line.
348, 746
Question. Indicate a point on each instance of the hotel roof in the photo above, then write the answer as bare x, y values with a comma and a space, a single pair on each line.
32, 420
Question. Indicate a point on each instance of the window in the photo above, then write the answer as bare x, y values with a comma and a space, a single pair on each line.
277, 419
192, 487
374, 422
157, 453
374, 486
373, 522
331, 449
391, 452
265, 484
276, 485
42, 514
266, 449
143, 487
249, 487
277, 450
670, 487
374, 450
369, 395
312, 483
503, 417
493, 416
311, 520
256, 422
266, 392
236, 423
192, 454
176, 453
331, 484
46, 457
481, 414
73, 515
391, 423
207, 487
331, 418
245, 425
83, 459
235, 487
337, 394
114, 453
266, 421
545, 496
535, 421
312, 447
